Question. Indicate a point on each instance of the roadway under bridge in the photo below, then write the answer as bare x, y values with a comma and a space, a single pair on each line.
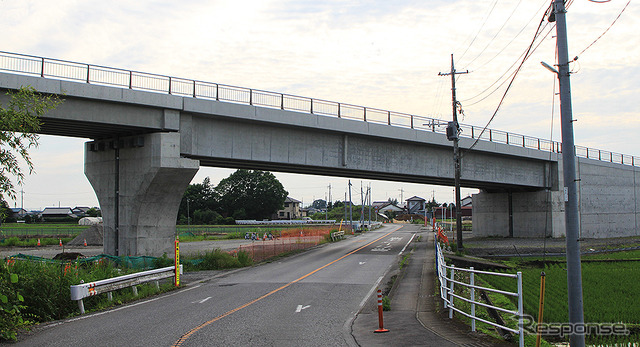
145, 147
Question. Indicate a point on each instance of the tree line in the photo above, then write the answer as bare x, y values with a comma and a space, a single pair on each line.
245, 194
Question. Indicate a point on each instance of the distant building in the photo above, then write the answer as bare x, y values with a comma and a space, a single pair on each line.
18, 213
80, 211
291, 209
415, 205
57, 212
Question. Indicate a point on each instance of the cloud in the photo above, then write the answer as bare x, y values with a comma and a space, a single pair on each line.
378, 54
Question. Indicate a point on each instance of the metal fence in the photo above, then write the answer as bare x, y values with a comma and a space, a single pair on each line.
108, 76
447, 278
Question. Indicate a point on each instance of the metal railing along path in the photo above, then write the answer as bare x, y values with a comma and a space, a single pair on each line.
446, 276
81, 291
102, 75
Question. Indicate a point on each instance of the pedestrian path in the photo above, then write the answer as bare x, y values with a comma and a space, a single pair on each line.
413, 320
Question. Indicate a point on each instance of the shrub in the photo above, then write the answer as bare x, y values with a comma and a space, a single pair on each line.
244, 259
11, 304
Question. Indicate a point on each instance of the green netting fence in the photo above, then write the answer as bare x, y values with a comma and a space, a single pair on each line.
134, 262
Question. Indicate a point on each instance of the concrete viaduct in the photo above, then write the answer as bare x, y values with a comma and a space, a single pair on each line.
145, 147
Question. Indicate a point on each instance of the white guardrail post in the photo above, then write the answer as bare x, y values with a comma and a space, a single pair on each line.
520, 310
451, 292
472, 295
83, 290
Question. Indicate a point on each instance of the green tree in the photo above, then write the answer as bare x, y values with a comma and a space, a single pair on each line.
19, 124
94, 212
259, 193
202, 199
319, 204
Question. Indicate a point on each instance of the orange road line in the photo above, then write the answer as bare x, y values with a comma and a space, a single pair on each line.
184, 337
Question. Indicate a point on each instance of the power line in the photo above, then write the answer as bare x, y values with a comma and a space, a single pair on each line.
514, 38
530, 50
601, 35
480, 29
496, 34
526, 53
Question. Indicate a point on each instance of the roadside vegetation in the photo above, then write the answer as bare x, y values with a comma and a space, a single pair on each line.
36, 292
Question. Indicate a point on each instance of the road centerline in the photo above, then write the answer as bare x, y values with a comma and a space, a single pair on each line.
184, 337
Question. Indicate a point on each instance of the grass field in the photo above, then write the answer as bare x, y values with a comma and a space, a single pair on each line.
611, 291
40, 230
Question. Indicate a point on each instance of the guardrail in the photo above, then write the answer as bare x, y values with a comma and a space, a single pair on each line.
84, 290
102, 75
337, 235
446, 275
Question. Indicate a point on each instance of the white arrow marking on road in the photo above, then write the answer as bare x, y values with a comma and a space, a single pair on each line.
300, 308
395, 239
383, 248
201, 301
362, 262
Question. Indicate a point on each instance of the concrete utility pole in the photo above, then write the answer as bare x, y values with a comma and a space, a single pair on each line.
453, 131
350, 208
574, 271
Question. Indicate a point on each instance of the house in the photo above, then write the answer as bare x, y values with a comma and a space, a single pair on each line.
291, 209
57, 212
80, 211
378, 204
466, 202
389, 208
18, 213
415, 205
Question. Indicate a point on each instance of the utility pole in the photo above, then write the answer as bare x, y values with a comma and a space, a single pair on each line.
369, 195
453, 132
574, 271
350, 208
362, 199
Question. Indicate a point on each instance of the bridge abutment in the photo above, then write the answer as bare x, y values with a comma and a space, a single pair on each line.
139, 182
523, 214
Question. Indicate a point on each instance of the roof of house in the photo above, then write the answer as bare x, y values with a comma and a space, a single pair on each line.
290, 199
390, 206
57, 210
416, 198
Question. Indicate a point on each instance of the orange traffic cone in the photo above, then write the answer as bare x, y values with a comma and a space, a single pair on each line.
38, 242
60, 242
85, 242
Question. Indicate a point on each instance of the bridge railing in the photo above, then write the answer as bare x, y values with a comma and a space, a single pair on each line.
102, 75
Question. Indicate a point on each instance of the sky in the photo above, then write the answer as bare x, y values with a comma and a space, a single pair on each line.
381, 54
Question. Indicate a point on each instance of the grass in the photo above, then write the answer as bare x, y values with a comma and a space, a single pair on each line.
40, 232
33, 242
610, 293
41, 291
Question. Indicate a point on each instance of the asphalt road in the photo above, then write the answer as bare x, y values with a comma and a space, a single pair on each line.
305, 300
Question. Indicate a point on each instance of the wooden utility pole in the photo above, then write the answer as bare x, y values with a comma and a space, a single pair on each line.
453, 132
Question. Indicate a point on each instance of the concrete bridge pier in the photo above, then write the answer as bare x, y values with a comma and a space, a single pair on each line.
519, 214
139, 182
